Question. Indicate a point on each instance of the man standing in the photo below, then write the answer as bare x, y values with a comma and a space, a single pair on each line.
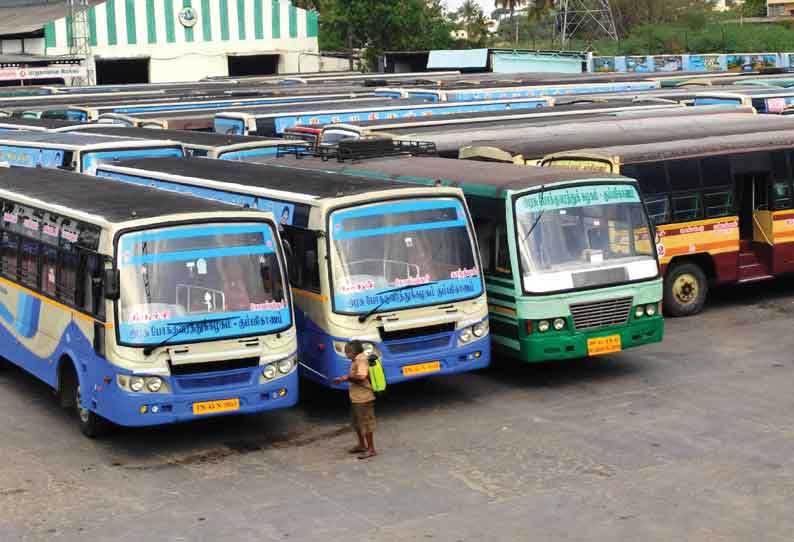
362, 400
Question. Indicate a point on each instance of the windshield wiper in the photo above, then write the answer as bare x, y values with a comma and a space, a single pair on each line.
182, 327
540, 215
363, 318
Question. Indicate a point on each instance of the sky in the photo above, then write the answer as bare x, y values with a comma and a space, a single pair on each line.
487, 5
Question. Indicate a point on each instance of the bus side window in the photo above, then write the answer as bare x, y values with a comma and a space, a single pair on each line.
66, 279
29, 264
684, 176
49, 266
10, 255
781, 180
486, 238
503, 264
91, 269
717, 186
304, 267
655, 191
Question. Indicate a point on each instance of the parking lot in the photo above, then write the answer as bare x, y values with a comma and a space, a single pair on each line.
691, 439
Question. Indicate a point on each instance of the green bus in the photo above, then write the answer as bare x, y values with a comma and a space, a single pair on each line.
569, 256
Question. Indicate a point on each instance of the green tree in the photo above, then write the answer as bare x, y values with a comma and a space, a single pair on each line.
753, 8
511, 6
470, 17
382, 25
307, 4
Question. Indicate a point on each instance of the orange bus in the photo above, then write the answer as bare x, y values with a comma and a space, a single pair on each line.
722, 207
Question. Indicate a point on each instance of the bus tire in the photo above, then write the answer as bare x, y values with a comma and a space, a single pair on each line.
685, 289
91, 424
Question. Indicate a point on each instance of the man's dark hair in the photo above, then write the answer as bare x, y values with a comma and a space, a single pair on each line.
355, 347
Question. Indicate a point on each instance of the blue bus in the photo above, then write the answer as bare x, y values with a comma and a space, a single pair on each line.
77, 152
177, 311
395, 266
205, 144
273, 123
92, 113
515, 92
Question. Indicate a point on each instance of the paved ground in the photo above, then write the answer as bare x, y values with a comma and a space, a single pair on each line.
689, 440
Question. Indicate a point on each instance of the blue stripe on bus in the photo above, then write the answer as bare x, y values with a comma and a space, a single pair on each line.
240, 155
189, 255
241, 200
339, 236
193, 231
717, 101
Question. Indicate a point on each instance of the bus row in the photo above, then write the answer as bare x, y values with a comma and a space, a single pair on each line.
169, 301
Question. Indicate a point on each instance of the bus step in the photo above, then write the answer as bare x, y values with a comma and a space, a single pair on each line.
753, 272
748, 259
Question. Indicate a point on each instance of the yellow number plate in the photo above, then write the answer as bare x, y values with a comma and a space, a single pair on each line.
603, 345
213, 407
422, 368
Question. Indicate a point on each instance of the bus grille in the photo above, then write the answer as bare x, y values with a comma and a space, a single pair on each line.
414, 346
601, 313
213, 381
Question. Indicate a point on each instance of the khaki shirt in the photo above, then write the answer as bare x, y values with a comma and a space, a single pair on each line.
360, 391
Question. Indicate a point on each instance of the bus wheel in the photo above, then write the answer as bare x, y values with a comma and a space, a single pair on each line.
91, 424
685, 290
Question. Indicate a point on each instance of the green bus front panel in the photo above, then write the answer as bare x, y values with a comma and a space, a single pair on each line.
511, 321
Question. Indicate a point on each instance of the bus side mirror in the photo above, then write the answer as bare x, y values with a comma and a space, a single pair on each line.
112, 284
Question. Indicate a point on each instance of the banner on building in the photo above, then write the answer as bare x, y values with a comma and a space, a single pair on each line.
44, 72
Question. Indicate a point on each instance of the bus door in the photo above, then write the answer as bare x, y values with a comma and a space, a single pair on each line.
752, 195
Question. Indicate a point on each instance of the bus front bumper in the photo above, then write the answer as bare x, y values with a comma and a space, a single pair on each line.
550, 346
420, 364
146, 409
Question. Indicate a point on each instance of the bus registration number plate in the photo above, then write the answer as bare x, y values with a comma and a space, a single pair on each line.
422, 368
213, 407
603, 345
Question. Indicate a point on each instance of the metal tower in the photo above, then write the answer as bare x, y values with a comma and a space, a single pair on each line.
80, 45
592, 18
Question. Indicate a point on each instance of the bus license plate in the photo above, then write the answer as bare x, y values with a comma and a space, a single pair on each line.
214, 407
603, 345
422, 368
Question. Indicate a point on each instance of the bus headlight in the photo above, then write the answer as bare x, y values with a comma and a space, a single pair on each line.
154, 384
639, 312
465, 335
559, 324
650, 310
286, 365
480, 329
543, 326
339, 347
269, 371
136, 383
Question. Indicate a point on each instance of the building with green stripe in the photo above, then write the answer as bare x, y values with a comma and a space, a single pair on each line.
183, 40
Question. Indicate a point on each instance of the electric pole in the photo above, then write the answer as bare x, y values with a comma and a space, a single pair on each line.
591, 17
80, 46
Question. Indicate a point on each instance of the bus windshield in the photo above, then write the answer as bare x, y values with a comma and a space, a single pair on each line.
583, 237
402, 254
92, 160
200, 282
